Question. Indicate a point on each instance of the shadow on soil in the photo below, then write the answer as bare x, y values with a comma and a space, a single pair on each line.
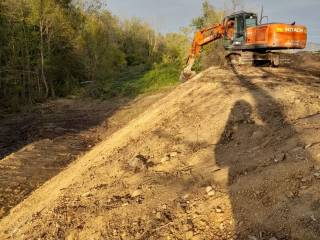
51, 122
313, 81
266, 207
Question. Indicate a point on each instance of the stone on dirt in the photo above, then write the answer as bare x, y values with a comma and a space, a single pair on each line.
186, 196
87, 194
219, 209
317, 175
140, 162
211, 193
173, 154
164, 159
159, 215
209, 189
136, 193
279, 157
189, 235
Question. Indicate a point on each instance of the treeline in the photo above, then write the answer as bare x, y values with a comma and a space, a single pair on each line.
53, 48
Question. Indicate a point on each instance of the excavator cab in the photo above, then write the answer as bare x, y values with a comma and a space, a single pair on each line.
235, 29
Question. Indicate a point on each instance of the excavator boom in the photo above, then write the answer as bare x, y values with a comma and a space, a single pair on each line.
204, 37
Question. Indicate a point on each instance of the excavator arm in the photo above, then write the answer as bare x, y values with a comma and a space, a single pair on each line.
201, 38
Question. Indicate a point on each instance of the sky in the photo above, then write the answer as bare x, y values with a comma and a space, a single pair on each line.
170, 15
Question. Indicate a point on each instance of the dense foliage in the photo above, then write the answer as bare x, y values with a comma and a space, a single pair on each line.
52, 48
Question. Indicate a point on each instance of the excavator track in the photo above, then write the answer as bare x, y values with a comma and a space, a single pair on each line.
273, 59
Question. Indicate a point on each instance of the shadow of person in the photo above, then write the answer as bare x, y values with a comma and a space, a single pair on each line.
271, 186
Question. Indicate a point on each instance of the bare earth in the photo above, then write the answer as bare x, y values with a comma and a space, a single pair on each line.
231, 154
37, 145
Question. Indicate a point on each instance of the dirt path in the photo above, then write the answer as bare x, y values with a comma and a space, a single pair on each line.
36, 146
231, 154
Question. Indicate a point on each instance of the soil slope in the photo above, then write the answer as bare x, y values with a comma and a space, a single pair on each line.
230, 154
39, 144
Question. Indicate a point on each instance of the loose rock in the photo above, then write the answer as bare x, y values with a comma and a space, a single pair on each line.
173, 154
308, 146
186, 196
140, 162
158, 215
136, 193
209, 189
279, 157
211, 193
219, 209
164, 159
189, 235
317, 175
87, 194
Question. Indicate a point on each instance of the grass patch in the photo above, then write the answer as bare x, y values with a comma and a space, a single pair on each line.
142, 80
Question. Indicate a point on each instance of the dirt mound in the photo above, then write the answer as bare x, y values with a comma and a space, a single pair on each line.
37, 145
231, 154
305, 61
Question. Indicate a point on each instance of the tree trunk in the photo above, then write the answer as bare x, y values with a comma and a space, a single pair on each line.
43, 76
50, 82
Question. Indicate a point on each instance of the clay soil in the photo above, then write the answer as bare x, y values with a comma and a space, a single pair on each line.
233, 153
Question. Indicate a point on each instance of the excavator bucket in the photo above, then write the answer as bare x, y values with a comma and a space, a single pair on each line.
187, 73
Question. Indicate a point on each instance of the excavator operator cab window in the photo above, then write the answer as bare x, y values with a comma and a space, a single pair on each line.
251, 21
239, 30
243, 22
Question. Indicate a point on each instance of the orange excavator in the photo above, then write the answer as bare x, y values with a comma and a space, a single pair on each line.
246, 41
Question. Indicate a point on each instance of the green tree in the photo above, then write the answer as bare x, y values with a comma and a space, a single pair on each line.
100, 45
50, 48
175, 50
